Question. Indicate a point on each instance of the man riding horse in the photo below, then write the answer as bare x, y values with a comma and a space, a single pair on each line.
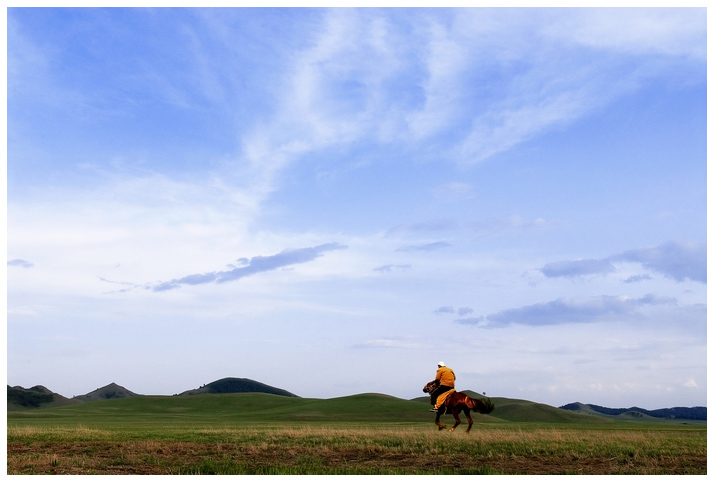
445, 378
453, 402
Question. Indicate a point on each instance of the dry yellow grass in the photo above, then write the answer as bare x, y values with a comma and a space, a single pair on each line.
356, 450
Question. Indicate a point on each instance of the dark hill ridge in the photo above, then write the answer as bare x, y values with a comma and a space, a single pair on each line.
110, 391
20, 399
235, 384
698, 413
39, 397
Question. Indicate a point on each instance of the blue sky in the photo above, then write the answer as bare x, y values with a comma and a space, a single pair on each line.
332, 201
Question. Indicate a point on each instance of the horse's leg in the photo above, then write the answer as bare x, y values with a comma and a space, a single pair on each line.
436, 419
469, 418
455, 413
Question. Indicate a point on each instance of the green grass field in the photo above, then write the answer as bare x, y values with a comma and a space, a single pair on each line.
355, 435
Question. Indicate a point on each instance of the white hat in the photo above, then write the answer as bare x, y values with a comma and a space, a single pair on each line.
442, 364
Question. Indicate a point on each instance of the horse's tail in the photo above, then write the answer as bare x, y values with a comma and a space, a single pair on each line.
481, 405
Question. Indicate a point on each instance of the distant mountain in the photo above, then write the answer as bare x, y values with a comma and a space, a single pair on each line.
234, 384
698, 413
36, 397
110, 391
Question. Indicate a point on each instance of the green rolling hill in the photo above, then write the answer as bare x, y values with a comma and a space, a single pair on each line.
241, 408
38, 397
19, 398
520, 410
236, 401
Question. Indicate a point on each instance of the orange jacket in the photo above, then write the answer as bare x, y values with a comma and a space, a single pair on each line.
445, 376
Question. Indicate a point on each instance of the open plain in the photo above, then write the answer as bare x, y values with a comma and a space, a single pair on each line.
366, 434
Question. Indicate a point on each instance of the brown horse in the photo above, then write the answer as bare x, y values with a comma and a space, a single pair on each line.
457, 402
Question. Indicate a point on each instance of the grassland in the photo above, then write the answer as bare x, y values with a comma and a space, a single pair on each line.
356, 435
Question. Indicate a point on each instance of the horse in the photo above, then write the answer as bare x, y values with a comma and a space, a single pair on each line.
457, 402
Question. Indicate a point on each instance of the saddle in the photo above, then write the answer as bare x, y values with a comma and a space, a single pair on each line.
443, 397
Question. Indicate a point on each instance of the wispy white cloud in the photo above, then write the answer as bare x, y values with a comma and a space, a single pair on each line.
334, 93
342, 88
664, 31
445, 62
22, 311
484, 80
531, 87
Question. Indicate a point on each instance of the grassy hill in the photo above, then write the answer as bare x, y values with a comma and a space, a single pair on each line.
37, 397
21, 399
229, 409
110, 391
237, 384
240, 408
245, 407
520, 410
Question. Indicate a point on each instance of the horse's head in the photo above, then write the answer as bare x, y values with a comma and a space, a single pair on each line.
430, 386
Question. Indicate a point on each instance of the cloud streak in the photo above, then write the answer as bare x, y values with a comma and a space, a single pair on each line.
566, 310
424, 227
517, 62
20, 263
427, 247
392, 268
679, 261
255, 265
448, 309
576, 268
675, 260
499, 226
410, 80
390, 343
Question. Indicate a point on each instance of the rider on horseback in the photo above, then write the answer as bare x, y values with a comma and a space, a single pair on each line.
445, 378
